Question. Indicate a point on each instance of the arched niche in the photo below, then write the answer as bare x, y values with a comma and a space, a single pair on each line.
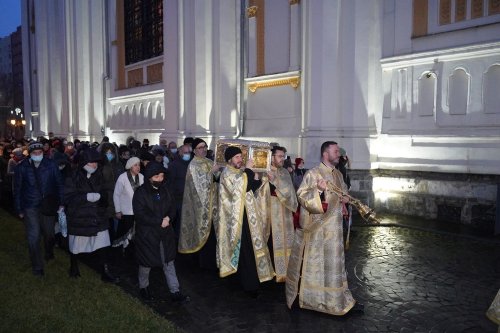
458, 92
427, 94
491, 89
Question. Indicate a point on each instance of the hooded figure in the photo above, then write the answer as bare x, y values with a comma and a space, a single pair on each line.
86, 203
154, 239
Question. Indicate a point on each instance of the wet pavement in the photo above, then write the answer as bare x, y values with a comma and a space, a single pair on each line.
411, 277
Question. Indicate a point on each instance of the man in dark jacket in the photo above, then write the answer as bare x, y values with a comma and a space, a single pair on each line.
38, 194
155, 244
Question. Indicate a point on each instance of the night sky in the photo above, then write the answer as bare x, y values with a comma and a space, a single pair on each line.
10, 16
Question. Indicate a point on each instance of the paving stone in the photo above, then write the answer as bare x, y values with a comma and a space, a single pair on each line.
409, 280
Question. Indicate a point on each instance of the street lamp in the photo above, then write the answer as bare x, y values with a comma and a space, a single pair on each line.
17, 122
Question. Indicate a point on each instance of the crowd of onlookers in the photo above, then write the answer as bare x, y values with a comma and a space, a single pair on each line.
88, 188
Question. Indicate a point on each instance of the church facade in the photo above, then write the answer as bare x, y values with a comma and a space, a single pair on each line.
409, 88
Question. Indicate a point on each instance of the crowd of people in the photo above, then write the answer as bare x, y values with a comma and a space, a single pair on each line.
151, 202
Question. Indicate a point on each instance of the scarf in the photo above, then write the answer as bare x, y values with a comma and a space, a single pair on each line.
133, 182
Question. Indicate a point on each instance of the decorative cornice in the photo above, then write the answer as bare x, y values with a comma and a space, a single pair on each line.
294, 81
294, 2
252, 11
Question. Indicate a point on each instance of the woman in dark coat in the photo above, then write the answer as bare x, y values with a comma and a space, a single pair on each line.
86, 202
154, 238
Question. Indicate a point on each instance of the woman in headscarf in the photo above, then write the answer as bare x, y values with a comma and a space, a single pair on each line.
86, 203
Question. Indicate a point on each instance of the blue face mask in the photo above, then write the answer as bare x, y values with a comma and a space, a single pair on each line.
36, 158
186, 157
173, 150
110, 156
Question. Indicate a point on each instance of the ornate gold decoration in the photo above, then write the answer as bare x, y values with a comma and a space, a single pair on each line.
294, 2
260, 152
294, 81
252, 11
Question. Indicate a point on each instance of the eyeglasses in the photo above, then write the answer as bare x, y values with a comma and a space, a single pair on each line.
202, 147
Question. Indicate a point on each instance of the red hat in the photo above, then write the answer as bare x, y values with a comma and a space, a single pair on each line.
298, 160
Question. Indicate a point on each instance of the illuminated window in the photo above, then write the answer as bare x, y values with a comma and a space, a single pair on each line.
143, 30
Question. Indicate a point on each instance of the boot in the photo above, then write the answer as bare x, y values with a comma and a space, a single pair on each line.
106, 275
74, 271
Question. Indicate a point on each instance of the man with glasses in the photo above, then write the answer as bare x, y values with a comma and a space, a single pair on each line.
278, 201
199, 204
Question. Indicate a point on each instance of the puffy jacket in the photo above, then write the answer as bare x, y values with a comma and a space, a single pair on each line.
150, 207
85, 218
28, 192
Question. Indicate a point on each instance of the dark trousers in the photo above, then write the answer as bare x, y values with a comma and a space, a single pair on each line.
247, 267
208, 253
38, 225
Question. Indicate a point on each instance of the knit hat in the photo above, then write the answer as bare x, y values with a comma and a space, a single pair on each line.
230, 152
298, 160
131, 162
34, 146
153, 168
196, 142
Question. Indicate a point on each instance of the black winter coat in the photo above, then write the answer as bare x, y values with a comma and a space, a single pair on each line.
150, 207
85, 218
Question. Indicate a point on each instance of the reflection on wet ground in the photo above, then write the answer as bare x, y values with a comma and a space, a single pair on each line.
410, 280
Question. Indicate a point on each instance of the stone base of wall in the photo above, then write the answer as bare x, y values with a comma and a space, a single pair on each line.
453, 198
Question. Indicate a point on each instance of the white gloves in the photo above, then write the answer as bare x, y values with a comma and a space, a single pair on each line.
93, 197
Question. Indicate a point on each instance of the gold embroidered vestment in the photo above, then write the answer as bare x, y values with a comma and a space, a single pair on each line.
317, 257
233, 201
278, 217
198, 205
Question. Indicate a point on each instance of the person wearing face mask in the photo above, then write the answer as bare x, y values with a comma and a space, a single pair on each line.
172, 151
177, 171
86, 204
154, 210
38, 194
111, 170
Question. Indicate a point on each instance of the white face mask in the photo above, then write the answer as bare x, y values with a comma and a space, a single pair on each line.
89, 169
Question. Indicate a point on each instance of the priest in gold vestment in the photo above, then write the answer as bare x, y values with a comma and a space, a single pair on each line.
198, 227
240, 241
278, 201
316, 270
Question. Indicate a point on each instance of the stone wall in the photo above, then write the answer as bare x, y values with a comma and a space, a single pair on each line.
450, 197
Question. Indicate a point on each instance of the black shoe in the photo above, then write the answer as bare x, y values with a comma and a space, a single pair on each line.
145, 294
106, 275
358, 307
38, 272
179, 297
